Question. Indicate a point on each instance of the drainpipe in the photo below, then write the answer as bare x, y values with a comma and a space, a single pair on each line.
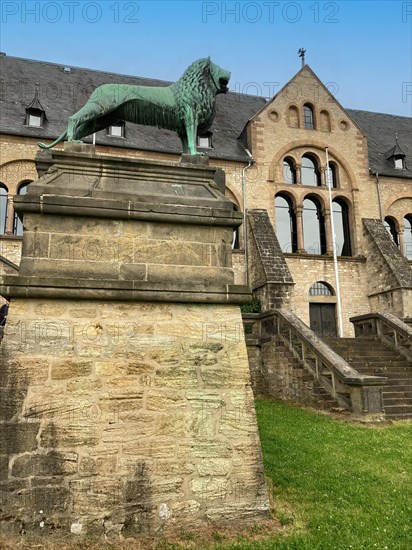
251, 160
335, 256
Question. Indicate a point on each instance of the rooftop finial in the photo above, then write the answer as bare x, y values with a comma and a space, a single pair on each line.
301, 53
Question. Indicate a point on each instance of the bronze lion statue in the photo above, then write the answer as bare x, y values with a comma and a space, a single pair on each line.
187, 106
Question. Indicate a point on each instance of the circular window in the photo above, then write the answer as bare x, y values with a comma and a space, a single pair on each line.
274, 115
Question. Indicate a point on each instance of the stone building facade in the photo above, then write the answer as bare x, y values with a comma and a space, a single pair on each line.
275, 155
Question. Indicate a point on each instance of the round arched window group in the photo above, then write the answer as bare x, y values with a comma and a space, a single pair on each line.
401, 233
309, 172
309, 118
9, 221
306, 228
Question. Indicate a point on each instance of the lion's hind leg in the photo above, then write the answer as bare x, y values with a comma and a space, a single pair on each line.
183, 139
89, 112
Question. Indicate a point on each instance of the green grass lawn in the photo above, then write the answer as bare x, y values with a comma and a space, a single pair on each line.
347, 486
334, 485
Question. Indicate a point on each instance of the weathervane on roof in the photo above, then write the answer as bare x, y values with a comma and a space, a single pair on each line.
301, 53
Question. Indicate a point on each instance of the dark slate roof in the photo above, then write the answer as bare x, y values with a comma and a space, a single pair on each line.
61, 93
381, 131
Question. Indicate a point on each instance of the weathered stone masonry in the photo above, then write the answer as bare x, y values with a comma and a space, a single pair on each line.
126, 397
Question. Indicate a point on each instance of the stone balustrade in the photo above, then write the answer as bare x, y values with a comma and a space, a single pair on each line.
388, 328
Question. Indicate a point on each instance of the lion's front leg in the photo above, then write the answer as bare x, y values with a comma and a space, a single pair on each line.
191, 132
191, 139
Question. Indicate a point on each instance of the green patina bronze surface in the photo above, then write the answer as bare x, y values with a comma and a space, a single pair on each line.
186, 107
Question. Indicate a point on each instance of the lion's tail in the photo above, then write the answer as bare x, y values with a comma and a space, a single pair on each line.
58, 140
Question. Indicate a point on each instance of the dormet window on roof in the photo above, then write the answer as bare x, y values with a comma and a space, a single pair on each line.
117, 129
35, 114
34, 117
395, 157
204, 141
399, 163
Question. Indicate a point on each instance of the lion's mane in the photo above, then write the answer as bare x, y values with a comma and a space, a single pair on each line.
196, 83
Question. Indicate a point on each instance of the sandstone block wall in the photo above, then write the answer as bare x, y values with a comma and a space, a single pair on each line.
127, 417
353, 286
277, 374
125, 250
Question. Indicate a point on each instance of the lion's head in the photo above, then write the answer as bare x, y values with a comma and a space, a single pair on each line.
202, 74
220, 77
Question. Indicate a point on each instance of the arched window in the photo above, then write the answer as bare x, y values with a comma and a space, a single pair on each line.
324, 121
308, 118
17, 224
313, 227
342, 228
293, 117
289, 172
310, 171
332, 175
285, 224
235, 241
407, 236
3, 209
321, 289
390, 226
322, 309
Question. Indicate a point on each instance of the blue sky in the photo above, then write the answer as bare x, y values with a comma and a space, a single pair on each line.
361, 49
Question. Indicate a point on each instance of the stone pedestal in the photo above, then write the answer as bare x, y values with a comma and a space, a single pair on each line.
126, 404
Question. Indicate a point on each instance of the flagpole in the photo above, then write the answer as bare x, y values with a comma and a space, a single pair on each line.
335, 257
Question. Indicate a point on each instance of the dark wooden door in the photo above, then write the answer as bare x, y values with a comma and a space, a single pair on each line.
323, 319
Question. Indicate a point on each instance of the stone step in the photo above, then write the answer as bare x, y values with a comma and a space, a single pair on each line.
398, 384
407, 365
390, 394
348, 339
398, 410
383, 355
401, 402
383, 371
373, 356
404, 383
393, 372
373, 349
357, 343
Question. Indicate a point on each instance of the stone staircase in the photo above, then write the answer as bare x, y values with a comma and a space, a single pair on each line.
300, 380
369, 355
